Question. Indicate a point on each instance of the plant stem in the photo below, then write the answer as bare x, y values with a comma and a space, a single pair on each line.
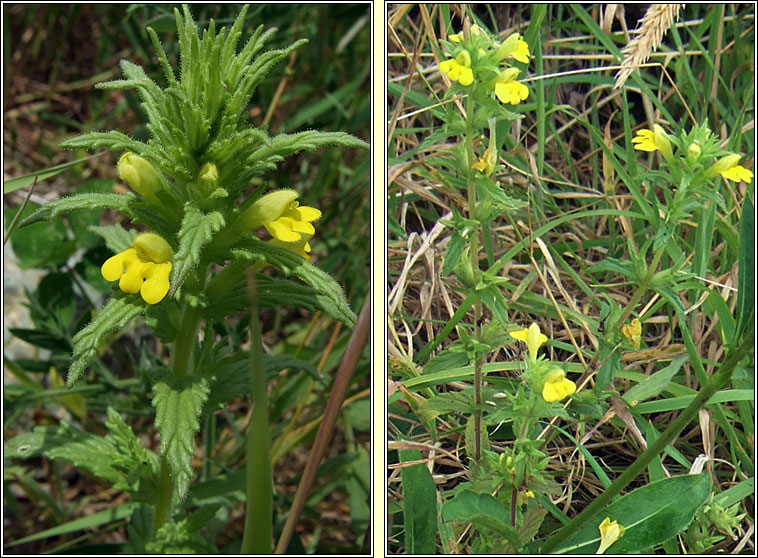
257, 536
163, 496
642, 288
181, 359
717, 381
474, 247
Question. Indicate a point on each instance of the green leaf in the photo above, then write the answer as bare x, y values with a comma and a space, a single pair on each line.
88, 522
482, 510
650, 515
746, 277
116, 314
184, 537
289, 144
178, 403
196, 231
81, 449
40, 247
132, 455
80, 202
110, 140
117, 239
419, 506
654, 384
329, 294
28, 179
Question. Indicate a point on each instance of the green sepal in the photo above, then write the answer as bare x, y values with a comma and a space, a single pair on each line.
81, 202
178, 403
289, 144
116, 314
329, 294
196, 231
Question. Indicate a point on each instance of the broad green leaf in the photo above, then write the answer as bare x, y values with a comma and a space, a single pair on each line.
132, 454
419, 505
42, 246
482, 510
746, 278
178, 403
650, 515
80, 202
87, 451
28, 179
116, 314
654, 384
329, 294
196, 231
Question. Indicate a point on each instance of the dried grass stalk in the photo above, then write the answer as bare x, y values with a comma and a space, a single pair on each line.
654, 25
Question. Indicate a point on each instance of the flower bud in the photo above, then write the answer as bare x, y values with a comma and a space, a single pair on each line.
464, 58
663, 143
152, 247
208, 177
693, 152
140, 175
268, 208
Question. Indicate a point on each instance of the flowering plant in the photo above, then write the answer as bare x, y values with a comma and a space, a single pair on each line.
195, 264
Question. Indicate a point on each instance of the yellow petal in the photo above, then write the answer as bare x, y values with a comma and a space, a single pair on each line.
131, 281
309, 214
645, 140
152, 247
282, 229
114, 267
156, 284
738, 173
610, 532
467, 77
632, 332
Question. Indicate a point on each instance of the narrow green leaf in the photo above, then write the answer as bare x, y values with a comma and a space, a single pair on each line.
88, 522
109, 140
116, 314
746, 278
178, 403
80, 202
289, 144
649, 515
27, 180
419, 506
654, 384
196, 231
328, 292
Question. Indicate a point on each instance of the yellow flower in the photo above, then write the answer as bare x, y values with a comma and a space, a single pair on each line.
301, 247
140, 175
532, 337
557, 386
459, 69
655, 139
144, 268
728, 168
523, 496
475, 30
487, 162
632, 332
508, 90
610, 532
283, 218
513, 46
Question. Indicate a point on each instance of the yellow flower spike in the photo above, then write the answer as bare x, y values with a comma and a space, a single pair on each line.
610, 532
144, 268
513, 46
728, 168
140, 175
532, 337
632, 332
557, 386
459, 69
508, 90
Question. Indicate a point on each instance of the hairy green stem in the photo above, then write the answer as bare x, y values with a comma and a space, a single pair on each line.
257, 536
163, 496
715, 383
642, 288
